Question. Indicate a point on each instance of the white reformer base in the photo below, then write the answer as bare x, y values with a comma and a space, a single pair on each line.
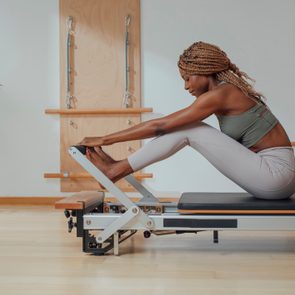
167, 221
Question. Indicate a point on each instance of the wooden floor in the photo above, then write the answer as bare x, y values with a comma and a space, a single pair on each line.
38, 256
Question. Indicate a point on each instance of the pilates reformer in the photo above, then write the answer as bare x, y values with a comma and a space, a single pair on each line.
103, 225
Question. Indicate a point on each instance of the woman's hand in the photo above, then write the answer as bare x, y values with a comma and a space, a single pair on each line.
92, 141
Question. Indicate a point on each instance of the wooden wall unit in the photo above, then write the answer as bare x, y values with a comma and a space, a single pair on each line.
97, 79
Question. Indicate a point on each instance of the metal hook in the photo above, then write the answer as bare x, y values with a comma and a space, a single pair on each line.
127, 20
69, 96
127, 95
73, 124
70, 24
130, 149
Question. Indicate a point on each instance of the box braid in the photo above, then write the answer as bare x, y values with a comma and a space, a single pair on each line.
207, 59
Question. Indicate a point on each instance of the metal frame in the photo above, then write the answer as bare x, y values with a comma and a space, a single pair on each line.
110, 224
69, 96
127, 94
168, 221
133, 212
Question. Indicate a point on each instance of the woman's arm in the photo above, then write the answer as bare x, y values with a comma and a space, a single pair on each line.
203, 107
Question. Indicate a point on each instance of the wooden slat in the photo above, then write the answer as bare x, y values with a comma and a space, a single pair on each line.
87, 175
50, 201
127, 111
80, 200
95, 185
293, 143
237, 212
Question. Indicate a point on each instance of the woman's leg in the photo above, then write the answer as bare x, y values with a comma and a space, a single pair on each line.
257, 174
266, 174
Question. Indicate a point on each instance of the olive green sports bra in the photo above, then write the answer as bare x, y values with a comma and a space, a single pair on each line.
250, 126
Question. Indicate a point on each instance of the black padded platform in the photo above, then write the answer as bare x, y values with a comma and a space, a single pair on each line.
236, 202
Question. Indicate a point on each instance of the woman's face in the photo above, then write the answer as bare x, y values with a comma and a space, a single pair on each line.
196, 84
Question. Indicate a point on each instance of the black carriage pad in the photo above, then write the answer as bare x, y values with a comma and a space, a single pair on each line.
232, 203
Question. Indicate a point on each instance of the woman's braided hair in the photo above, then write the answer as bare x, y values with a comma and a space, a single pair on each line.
207, 59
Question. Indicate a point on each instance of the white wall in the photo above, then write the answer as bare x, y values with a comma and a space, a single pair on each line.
29, 71
257, 35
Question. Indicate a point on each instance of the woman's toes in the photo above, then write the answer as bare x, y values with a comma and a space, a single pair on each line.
104, 157
97, 149
88, 154
99, 153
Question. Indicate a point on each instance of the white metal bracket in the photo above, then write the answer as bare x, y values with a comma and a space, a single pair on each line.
133, 212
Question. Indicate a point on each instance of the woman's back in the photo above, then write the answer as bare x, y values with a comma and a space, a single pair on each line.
238, 110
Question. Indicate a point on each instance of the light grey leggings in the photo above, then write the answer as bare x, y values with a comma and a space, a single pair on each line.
268, 174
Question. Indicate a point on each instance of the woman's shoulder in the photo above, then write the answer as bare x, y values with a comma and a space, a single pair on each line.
232, 99
222, 94
226, 89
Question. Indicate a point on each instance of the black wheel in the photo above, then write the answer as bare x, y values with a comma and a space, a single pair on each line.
67, 213
146, 234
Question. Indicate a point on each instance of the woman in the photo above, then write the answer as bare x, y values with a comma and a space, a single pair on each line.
252, 148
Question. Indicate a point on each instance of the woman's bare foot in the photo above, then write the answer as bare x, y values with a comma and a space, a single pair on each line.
107, 158
114, 171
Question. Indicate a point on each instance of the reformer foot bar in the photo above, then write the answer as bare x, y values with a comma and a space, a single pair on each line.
104, 225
